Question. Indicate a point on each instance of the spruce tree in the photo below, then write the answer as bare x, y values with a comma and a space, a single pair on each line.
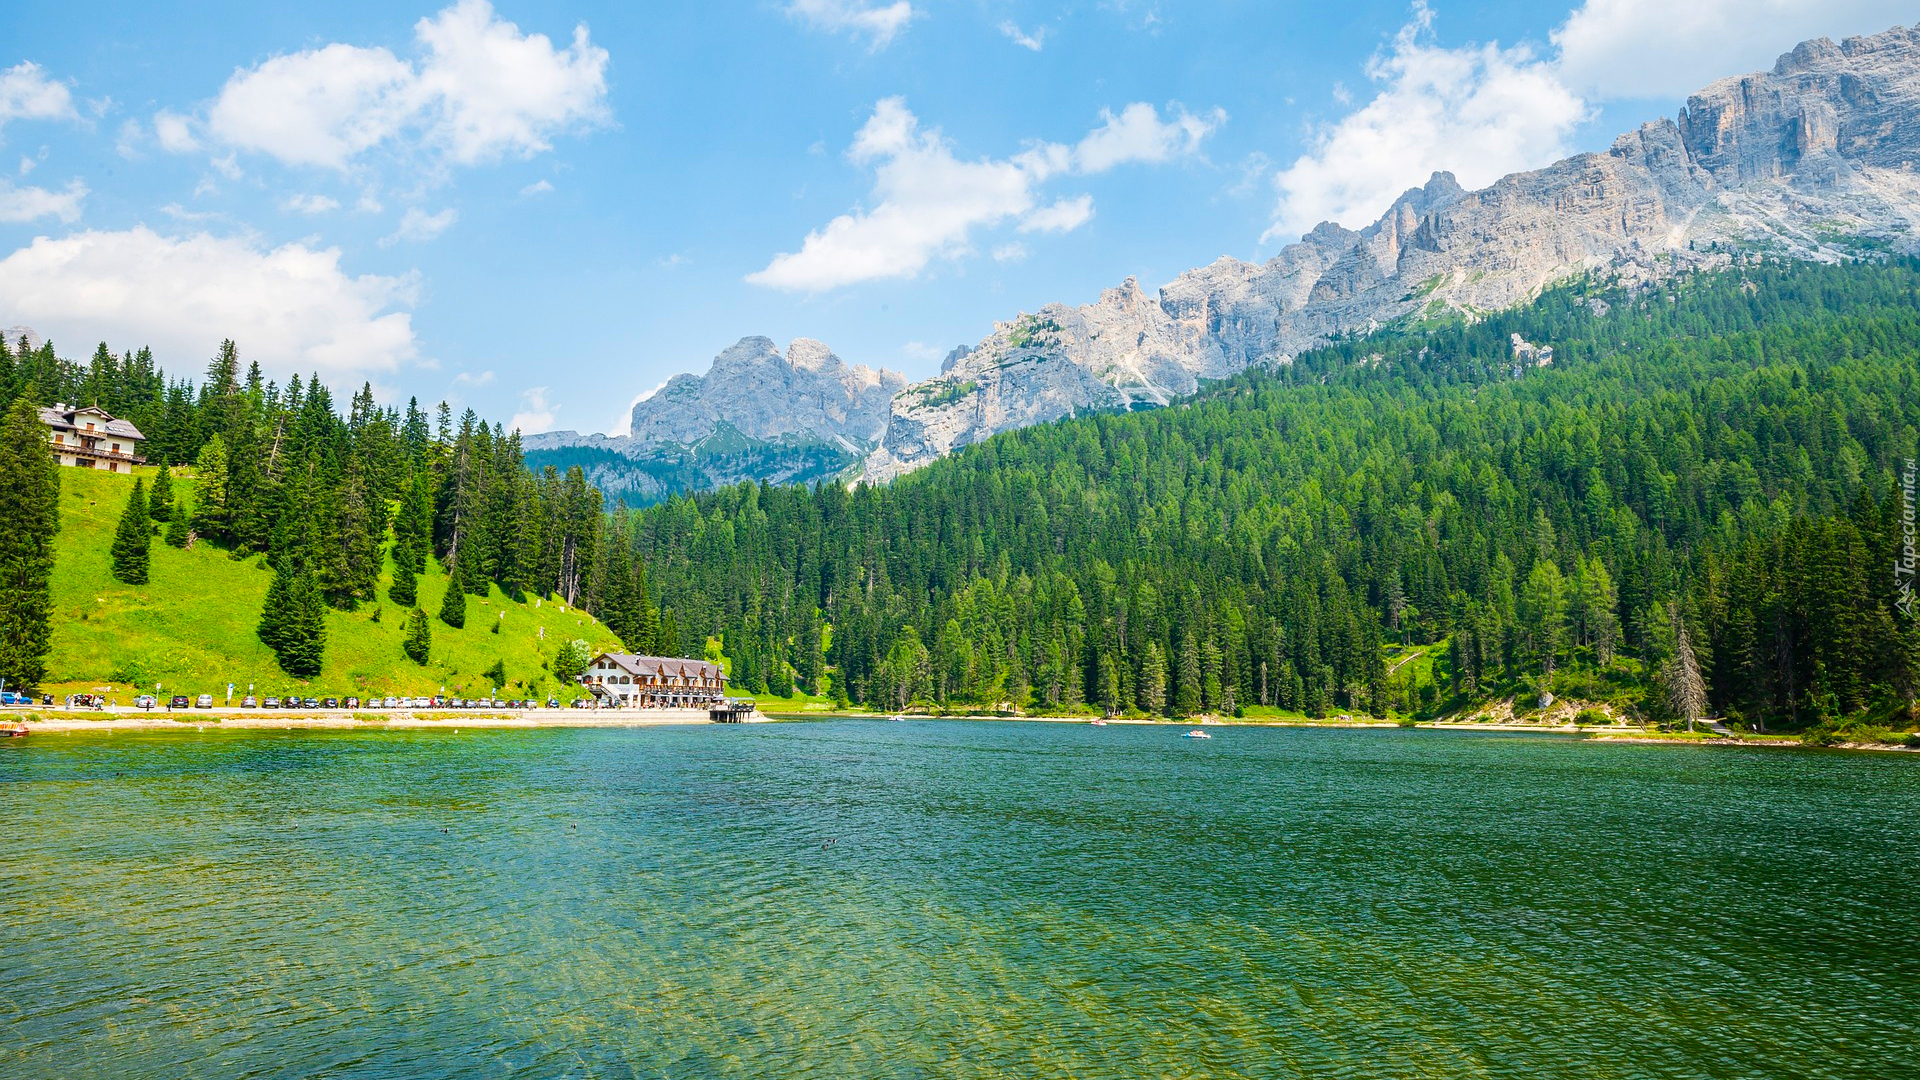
277, 612
419, 639
210, 517
133, 540
306, 646
29, 517
405, 589
177, 534
160, 499
453, 609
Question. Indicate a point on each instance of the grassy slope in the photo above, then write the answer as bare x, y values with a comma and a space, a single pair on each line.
192, 627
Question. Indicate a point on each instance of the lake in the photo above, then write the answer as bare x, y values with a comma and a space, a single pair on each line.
952, 899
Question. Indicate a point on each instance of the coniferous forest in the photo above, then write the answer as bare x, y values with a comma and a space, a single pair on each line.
1693, 509
324, 496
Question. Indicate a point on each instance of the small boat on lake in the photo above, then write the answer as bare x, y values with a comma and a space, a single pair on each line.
1099, 721
15, 732
1196, 733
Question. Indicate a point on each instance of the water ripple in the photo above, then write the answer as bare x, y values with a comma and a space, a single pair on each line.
952, 900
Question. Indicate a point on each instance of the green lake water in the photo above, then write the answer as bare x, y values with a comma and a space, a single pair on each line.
930, 899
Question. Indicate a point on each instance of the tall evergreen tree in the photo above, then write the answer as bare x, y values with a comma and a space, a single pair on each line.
177, 532
419, 637
405, 589
293, 619
210, 516
453, 607
29, 518
133, 540
160, 499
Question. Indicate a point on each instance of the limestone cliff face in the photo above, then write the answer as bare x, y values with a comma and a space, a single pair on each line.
1814, 159
806, 395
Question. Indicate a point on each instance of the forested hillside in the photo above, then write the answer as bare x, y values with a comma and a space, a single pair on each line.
329, 501
1697, 496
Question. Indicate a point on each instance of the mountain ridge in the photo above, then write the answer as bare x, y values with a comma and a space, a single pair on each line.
1813, 159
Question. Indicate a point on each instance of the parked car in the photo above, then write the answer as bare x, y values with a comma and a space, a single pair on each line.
144, 701
389, 703
8, 697
353, 703
310, 703
270, 703
204, 701
553, 703
330, 703
249, 702
178, 701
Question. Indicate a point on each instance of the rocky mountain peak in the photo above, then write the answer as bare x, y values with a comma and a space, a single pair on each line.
1818, 158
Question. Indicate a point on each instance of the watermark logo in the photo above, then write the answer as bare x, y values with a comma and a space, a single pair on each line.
1903, 566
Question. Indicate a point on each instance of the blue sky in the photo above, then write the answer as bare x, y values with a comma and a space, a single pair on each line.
544, 209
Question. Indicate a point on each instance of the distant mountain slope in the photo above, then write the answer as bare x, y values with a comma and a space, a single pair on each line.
1812, 160
756, 414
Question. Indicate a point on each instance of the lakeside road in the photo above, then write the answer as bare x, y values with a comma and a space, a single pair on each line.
341, 719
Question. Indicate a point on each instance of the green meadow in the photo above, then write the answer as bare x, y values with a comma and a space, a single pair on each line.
192, 627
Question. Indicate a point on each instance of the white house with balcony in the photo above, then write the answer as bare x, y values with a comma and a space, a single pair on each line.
87, 437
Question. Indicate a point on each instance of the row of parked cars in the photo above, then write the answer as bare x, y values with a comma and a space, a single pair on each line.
294, 701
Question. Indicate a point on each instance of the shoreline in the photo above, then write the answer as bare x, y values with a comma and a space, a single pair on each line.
199, 720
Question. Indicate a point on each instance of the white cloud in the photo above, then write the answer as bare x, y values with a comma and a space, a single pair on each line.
1035, 41
481, 90
927, 202
1479, 111
310, 204
417, 225
876, 22
1065, 215
1138, 134
19, 204
538, 187
174, 132
291, 308
536, 412
27, 94
1656, 48
468, 378
1010, 253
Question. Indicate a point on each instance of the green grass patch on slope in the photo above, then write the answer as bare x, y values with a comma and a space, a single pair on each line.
192, 627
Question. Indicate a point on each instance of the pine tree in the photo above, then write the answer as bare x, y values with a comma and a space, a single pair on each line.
1686, 690
405, 589
210, 517
160, 499
669, 642
419, 639
29, 518
177, 532
132, 542
1153, 679
306, 645
453, 609
1187, 700
276, 612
